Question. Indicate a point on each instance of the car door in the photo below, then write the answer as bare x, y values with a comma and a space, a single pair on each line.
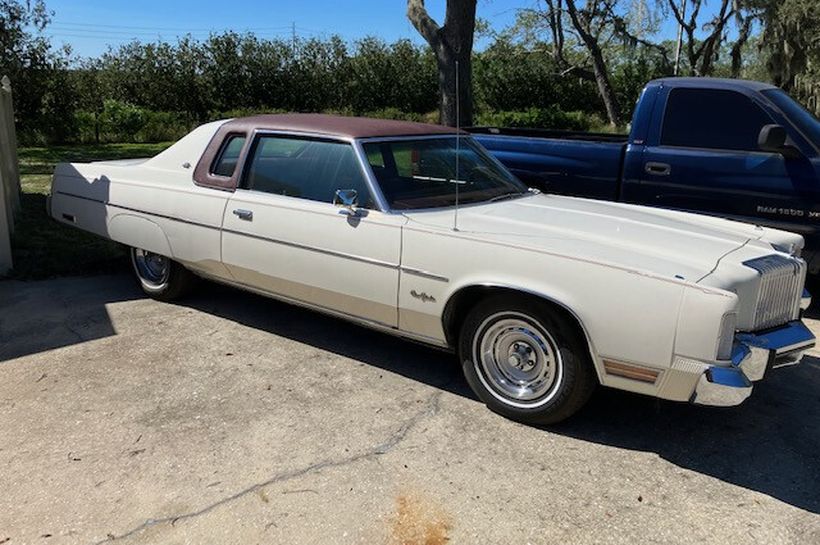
282, 233
705, 157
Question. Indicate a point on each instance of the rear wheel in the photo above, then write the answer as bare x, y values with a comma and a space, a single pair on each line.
526, 360
159, 276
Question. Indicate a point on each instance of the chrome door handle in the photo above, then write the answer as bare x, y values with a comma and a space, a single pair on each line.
246, 215
658, 169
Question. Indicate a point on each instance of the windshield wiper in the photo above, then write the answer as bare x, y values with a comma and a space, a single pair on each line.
437, 179
505, 196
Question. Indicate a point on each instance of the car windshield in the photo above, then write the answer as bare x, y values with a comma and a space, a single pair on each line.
427, 173
805, 122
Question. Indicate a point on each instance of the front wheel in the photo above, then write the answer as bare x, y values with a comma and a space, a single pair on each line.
160, 277
525, 360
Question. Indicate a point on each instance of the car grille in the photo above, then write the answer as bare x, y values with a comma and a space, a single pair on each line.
781, 286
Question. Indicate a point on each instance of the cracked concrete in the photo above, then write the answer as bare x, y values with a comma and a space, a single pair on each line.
382, 448
233, 419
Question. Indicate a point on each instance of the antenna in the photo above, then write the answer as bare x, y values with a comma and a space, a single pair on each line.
458, 145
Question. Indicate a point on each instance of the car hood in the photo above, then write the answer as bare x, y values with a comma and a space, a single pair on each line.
639, 238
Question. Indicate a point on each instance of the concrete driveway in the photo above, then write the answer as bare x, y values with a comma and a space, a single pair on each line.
235, 419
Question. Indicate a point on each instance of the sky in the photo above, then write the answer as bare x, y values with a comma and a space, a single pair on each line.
90, 26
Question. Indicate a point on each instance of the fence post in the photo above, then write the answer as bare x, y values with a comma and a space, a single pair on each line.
8, 152
9, 175
5, 231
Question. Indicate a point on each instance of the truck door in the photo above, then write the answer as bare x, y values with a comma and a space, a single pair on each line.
703, 156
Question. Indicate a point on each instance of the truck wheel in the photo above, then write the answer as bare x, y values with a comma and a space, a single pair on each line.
160, 277
525, 361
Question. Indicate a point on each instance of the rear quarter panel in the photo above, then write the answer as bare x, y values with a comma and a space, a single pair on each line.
154, 209
151, 204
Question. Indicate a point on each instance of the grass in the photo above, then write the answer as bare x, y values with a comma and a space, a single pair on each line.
43, 248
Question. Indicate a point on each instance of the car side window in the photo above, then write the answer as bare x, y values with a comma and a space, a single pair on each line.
712, 118
305, 168
228, 157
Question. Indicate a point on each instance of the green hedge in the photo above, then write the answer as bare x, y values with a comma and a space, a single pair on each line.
124, 122
543, 118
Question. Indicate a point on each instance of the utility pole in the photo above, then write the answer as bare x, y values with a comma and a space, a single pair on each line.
293, 37
641, 13
680, 36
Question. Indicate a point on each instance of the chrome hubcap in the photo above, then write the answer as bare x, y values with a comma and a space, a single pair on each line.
152, 268
517, 360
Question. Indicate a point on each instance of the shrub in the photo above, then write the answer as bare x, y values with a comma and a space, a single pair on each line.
121, 120
164, 126
544, 118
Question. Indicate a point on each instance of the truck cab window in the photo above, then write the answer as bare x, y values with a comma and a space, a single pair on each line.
228, 158
712, 118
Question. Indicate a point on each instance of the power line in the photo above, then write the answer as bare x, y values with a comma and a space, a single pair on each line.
124, 34
145, 36
91, 33
183, 29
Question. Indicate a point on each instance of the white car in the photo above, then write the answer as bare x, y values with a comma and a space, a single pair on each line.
415, 230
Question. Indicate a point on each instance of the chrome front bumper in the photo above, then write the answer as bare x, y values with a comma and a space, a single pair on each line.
805, 300
752, 356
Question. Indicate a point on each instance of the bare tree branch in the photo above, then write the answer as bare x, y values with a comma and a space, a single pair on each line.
421, 20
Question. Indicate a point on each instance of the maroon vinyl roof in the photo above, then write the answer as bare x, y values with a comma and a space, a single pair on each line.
335, 125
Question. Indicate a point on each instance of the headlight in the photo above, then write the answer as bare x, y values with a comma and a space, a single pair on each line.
791, 249
726, 338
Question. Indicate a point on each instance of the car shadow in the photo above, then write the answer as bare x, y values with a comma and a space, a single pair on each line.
415, 361
45, 315
770, 444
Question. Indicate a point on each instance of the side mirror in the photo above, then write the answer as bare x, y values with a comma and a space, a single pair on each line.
347, 200
772, 138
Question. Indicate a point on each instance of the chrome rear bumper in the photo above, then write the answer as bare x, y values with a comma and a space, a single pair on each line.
752, 356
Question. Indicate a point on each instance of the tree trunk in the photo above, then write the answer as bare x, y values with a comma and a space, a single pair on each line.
604, 86
711, 44
737, 48
599, 69
690, 52
451, 44
452, 104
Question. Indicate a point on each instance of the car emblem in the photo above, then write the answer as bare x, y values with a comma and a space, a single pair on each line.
423, 296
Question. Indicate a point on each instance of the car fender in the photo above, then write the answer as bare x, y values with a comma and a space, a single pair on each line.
550, 294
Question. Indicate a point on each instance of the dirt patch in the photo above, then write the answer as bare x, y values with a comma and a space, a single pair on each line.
419, 521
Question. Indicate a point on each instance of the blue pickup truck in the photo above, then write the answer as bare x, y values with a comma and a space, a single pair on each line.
738, 149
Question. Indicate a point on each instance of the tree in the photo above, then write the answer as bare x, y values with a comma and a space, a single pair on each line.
590, 22
702, 52
452, 45
597, 26
744, 19
42, 100
790, 38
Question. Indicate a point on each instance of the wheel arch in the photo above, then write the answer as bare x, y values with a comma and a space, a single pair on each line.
465, 298
139, 232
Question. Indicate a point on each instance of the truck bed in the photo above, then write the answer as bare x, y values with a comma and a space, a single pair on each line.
578, 164
549, 133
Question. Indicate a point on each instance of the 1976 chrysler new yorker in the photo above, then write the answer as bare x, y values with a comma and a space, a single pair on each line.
414, 230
